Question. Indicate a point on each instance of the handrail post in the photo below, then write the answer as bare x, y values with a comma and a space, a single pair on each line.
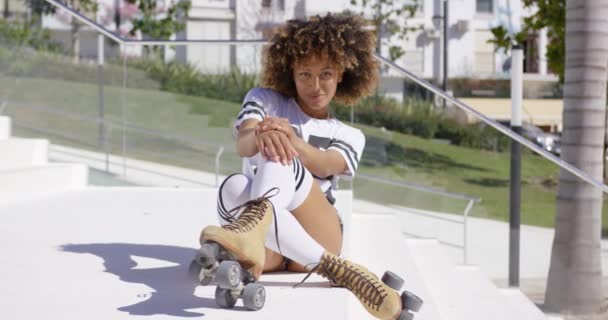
217, 165
106, 144
465, 228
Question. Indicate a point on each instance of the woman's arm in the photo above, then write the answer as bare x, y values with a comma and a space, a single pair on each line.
320, 163
246, 144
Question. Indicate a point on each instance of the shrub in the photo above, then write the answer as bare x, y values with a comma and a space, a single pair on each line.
420, 118
186, 79
14, 34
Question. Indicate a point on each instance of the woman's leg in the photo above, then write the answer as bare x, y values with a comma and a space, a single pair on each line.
321, 221
286, 236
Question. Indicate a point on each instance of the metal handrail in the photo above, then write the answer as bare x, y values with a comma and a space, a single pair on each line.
470, 202
504, 130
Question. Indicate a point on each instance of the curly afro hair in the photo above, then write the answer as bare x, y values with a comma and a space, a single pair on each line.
342, 39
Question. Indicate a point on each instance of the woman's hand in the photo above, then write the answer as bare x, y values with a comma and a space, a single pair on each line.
274, 123
274, 145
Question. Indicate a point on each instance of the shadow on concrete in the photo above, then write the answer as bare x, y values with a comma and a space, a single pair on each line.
172, 288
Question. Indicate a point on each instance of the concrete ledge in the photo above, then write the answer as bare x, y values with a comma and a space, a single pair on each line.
380, 247
5, 127
521, 306
464, 292
30, 183
19, 153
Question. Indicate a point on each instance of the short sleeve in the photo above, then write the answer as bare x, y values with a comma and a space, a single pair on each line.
349, 142
257, 104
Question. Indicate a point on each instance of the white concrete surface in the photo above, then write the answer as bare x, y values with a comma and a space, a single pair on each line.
5, 127
19, 153
31, 183
123, 253
464, 292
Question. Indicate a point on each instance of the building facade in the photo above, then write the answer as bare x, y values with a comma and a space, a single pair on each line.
468, 24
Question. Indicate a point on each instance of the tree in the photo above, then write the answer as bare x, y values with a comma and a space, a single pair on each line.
574, 284
159, 22
389, 18
40, 7
548, 14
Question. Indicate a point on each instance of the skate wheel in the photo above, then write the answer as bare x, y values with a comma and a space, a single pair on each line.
254, 296
228, 274
411, 301
224, 298
392, 280
207, 254
406, 315
195, 270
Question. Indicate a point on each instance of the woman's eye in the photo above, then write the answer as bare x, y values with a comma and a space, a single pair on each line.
327, 75
304, 74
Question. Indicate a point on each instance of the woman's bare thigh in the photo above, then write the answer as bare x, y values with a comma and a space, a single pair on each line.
320, 220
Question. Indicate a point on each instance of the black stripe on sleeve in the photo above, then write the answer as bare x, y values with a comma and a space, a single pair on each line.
243, 113
253, 104
347, 146
350, 159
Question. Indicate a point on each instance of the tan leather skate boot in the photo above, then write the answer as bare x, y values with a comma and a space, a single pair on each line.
244, 238
379, 299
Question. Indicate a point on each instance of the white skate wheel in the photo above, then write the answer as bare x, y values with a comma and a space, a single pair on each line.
228, 274
254, 296
195, 270
411, 301
406, 315
392, 280
207, 254
224, 298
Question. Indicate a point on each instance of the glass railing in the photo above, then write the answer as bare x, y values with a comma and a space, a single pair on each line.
445, 171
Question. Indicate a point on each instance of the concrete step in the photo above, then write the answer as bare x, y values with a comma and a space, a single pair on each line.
378, 245
465, 292
30, 183
19, 153
521, 306
5, 127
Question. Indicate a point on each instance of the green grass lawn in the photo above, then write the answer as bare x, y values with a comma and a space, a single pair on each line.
192, 128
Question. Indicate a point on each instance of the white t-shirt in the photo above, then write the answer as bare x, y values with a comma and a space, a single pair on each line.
325, 134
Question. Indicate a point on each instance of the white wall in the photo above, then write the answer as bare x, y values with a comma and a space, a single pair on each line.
5, 127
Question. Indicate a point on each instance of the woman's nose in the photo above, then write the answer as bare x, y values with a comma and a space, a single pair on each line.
316, 82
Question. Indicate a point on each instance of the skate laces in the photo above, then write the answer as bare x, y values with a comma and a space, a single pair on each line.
363, 285
254, 212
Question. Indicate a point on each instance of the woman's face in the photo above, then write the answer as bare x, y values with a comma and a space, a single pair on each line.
316, 82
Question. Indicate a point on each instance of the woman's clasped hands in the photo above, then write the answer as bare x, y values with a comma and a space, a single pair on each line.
276, 139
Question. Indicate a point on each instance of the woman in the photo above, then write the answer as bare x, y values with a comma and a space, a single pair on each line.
294, 153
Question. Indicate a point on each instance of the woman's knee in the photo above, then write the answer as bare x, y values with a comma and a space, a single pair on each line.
234, 191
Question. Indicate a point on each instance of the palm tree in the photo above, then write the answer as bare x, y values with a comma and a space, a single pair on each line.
574, 284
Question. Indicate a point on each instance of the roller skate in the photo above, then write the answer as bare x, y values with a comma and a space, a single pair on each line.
379, 297
233, 256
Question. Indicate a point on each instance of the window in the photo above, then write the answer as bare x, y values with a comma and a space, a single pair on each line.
485, 6
266, 3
